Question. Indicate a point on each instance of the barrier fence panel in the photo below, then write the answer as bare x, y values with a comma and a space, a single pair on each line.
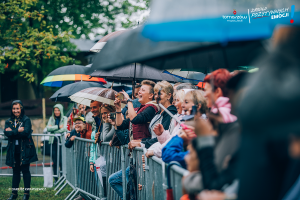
46, 154
176, 174
113, 166
86, 181
63, 179
137, 159
157, 184
76, 168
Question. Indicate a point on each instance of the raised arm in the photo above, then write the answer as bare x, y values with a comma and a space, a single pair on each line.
119, 117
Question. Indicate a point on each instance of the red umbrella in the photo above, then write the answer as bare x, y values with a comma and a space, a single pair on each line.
100, 44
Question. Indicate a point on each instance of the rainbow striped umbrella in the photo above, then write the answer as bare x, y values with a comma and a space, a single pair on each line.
69, 74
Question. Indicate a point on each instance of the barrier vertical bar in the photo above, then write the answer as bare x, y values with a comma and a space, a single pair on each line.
123, 167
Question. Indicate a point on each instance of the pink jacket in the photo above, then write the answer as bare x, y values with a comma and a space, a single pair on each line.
224, 108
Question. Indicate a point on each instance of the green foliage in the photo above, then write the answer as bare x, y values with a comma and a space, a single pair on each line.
82, 16
21, 43
35, 34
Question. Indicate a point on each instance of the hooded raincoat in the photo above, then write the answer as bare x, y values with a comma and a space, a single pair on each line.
52, 127
24, 139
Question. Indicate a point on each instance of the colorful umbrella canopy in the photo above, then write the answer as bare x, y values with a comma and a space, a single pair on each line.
218, 20
104, 95
100, 44
63, 93
68, 74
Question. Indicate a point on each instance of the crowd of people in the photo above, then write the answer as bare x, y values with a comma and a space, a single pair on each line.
204, 136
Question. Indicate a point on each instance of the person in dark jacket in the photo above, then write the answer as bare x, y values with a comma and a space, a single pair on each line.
20, 150
96, 122
79, 123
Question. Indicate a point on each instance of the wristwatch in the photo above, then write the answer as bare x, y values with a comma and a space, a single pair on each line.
129, 100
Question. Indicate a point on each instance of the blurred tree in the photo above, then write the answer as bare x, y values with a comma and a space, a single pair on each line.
85, 16
34, 34
26, 40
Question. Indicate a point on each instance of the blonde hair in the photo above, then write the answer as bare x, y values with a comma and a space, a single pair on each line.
166, 87
180, 95
198, 98
150, 83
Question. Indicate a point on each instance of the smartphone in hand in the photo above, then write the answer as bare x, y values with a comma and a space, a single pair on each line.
112, 115
191, 116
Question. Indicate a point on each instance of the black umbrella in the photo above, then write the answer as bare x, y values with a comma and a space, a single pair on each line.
63, 93
131, 73
131, 47
69, 69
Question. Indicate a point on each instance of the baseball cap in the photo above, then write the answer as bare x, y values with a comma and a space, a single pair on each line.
79, 118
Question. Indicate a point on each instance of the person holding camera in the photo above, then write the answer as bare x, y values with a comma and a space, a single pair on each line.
108, 130
105, 135
20, 149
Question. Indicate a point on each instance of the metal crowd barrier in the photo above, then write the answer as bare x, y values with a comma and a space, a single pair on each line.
76, 169
77, 174
44, 155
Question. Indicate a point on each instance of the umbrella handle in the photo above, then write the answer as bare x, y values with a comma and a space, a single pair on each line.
57, 96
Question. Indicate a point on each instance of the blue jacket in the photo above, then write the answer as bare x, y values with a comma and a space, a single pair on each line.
69, 143
173, 151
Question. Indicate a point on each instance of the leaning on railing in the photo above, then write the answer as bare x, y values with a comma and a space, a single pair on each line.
76, 170
152, 180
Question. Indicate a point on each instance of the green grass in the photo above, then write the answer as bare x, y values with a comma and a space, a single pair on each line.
36, 182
